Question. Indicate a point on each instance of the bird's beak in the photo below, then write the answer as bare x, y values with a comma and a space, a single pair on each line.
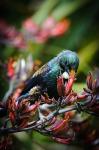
72, 73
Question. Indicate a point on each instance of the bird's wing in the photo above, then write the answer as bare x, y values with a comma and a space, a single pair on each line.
37, 79
43, 70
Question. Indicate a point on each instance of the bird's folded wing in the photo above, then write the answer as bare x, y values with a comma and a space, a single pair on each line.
43, 70
36, 80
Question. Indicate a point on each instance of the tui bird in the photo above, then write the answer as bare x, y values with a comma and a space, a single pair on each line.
46, 76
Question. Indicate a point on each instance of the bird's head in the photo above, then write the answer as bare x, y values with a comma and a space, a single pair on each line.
68, 63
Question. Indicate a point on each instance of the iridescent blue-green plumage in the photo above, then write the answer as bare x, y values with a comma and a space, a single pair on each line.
46, 76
